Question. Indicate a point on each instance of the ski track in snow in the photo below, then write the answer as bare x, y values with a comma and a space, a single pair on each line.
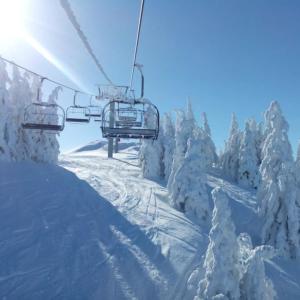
144, 203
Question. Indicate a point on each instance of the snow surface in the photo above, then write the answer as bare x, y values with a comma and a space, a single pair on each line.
105, 232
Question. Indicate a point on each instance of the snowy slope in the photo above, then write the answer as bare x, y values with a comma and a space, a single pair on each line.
110, 234
141, 201
62, 239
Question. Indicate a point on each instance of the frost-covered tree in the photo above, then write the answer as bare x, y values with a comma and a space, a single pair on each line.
255, 285
297, 171
188, 192
221, 280
168, 144
151, 159
45, 146
210, 155
151, 151
19, 98
248, 172
4, 120
184, 128
257, 129
277, 194
229, 162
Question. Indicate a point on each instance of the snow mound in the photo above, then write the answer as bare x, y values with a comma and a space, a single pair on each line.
60, 240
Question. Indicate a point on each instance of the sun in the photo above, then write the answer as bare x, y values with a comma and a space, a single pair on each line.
11, 19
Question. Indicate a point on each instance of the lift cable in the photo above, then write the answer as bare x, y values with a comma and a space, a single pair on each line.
45, 78
137, 42
71, 16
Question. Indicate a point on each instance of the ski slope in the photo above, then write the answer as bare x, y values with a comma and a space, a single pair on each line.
93, 228
143, 202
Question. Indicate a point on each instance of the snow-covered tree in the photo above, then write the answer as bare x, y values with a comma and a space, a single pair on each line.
151, 159
221, 280
210, 155
151, 151
248, 172
188, 192
19, 98
36, 137
4, 120
255, 285
277, 194
45, 146
168, 144
297, 171
257, 129
184, 128
229, 162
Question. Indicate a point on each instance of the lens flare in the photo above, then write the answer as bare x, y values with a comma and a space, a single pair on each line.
51, 58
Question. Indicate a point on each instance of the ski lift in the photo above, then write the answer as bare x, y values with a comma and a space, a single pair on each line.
141, 121
45, 116
78, 114
95, 111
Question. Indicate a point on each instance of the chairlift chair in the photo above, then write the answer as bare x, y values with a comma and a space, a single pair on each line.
95, 111
78, 114
135, 126
44, 116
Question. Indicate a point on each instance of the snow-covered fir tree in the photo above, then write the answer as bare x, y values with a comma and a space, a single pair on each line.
210, 155
151, 159
19, 98
168, 144
221, 280
4, 120
184, 128
257, 129
255, 285
151, 151
248, 172
46, 146
229, 161
188, 192
277, 194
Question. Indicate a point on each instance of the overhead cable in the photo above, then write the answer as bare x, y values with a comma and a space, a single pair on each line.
72, 18
45, 78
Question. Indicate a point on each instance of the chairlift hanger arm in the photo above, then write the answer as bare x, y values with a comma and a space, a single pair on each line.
137, 42
139, 67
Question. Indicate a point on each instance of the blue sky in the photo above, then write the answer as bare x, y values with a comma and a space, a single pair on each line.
227, 56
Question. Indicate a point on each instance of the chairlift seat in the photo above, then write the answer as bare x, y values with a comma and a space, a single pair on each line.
128, 124
129, 133
50, 127
77, 120
93, 115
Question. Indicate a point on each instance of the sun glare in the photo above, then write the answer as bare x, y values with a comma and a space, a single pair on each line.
11, 19
12, 28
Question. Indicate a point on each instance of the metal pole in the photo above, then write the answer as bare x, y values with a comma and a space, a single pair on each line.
111, 125
116, 145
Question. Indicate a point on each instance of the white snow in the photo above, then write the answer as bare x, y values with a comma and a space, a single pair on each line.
109, 233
